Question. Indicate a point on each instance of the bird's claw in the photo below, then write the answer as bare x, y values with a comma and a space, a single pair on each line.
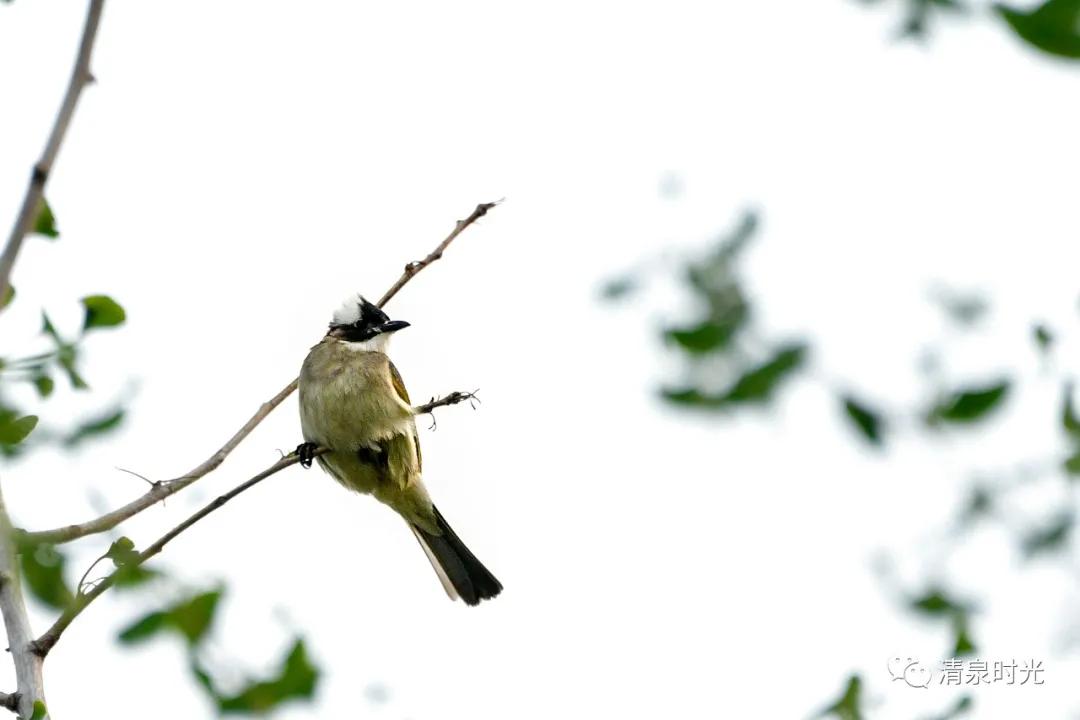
306, 451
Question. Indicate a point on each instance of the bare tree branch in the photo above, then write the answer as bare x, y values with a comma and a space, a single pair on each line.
48, 639
45, 643
35, 191
452, 399
416, 266
28, 663
10, 701
162, 490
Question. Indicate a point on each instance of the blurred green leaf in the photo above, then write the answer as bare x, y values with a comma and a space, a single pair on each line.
970, 405
190, 618
963, 643
1069, 420
619, 288
708, 336
8, 297
1072, 463
44, 385
758, 384
867, 421
40, 711
1053, 27
144, 628
122, 552
96, 426
66, 357
1043, 337
13, 431
43, 570
692, 397
45, 222
964, 309
297, 679
1051, 538
935, 603
849, 704
102, 311
49, 329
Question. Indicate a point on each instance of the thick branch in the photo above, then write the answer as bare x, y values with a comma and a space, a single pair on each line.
35, 191
28, 675
162, 490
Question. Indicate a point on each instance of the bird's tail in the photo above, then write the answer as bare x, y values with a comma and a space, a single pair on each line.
461, 574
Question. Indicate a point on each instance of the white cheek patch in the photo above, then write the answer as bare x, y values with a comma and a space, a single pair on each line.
378, 343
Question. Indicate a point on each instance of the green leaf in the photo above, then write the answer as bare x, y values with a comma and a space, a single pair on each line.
8, 297
45, 222
849, 705
122, 552
44, 385
1051, 538
102, 311
190, 618
692, 397
760, 383
710, 335
67, 357
1043, 337
297, 679
1053, 27
935, 603
43, 570
96, 426
49, 329
1071, 465
618, 288
193, 618
144, 628
1069, 420
40, 711
963, 643
13, 432
130, 576
962, 308
867, 421
971, 405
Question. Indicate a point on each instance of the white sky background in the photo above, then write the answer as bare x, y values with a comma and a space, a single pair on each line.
241, 167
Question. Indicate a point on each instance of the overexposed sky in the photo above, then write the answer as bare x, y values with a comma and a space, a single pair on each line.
240, 167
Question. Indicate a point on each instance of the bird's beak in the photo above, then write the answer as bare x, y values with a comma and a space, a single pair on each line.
393, 326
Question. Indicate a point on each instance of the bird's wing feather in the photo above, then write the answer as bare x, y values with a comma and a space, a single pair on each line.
399, 387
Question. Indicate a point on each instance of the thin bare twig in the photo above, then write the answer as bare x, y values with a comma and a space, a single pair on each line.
162, 490
35, 191
48, 639
416, 266
45, 643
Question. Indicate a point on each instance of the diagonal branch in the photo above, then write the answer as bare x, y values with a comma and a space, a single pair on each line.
35, 191
162, 490
48, 639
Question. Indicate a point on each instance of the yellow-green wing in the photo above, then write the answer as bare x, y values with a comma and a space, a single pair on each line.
399, 387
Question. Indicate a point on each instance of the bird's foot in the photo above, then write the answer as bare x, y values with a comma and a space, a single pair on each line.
306, 451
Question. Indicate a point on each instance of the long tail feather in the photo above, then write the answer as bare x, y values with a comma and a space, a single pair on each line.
461, 574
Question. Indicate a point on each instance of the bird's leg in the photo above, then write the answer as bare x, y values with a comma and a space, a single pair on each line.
306, 451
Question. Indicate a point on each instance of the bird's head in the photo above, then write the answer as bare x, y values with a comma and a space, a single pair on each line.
359, 321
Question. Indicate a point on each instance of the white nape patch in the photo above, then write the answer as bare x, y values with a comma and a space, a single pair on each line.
349, 312
378, 343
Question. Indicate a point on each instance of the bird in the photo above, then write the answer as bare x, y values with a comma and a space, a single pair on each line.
353, 402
